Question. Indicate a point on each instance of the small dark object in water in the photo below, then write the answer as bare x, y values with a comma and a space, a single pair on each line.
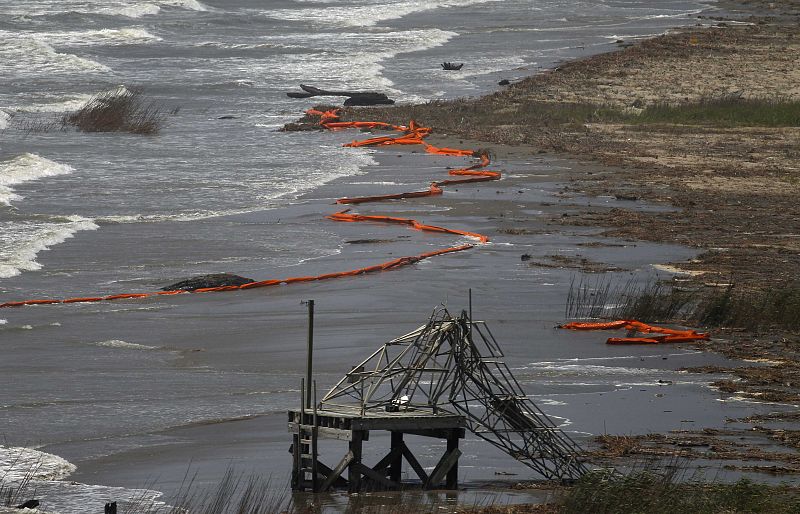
227, 117
451, 66
367, 241
212, 280
30, 504
504, 82
525, 257
630, 198
111, 508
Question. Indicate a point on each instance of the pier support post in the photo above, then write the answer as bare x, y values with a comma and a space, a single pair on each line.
297, 478
353, 469
452, 444
396, 466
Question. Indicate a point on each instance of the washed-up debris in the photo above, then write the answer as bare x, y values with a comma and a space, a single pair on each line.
353, 97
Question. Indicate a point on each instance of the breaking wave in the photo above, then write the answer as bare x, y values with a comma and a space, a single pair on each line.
20, 243
25, 168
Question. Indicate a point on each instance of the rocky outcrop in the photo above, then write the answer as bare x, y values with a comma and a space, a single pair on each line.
212, 280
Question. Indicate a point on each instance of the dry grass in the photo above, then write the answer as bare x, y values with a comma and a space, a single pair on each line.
119, 110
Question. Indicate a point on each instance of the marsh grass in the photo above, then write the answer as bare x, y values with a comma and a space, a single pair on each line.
725, 111
119, 110
667, 490
777, 307
656, 301
520, 115
15, 492
652, 301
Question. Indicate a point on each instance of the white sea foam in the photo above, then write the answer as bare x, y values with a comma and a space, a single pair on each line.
561, 368
20, 242
25, 168
180, 216
345, 66
132, 11
3, 321
50, 104
116, 343
17, 464
27, 55
42, 475
365, 15
123, 36
4, 117
192, 5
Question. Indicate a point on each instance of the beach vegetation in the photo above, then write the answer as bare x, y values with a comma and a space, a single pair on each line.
18, 491
119, 110
667, 490
729, 110
513, 119
776, 308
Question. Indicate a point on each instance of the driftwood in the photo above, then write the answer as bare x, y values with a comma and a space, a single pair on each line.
451, 66
353, 97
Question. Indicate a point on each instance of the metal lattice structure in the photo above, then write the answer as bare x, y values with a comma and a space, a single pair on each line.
454, 366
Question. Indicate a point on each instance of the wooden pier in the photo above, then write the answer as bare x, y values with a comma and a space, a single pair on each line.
353, 426
436, 381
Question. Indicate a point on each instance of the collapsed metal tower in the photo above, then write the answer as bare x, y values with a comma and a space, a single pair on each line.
454, 366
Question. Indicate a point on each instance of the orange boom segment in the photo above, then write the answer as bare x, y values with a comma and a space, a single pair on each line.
668, 335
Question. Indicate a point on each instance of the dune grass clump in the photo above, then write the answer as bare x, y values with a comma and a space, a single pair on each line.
775, 307
651, 301
655, 301
119, 110
725, 111
667, 491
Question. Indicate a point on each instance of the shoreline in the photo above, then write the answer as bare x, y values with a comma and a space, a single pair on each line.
732, 188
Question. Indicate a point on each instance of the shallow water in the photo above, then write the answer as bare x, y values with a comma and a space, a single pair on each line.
131, 392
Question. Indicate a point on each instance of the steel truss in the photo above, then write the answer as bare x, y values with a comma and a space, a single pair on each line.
454, 365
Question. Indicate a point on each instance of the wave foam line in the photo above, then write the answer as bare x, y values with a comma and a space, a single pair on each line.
25, 168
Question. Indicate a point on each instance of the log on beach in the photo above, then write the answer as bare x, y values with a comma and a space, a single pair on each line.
353, 97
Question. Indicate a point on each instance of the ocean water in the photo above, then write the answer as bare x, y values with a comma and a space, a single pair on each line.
85, 214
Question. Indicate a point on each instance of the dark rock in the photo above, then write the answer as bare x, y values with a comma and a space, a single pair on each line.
525, 257
212, 280
227, 117
367, 241
30, 504
369, 99
504, 82
111, 508
638, 103
300, 127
